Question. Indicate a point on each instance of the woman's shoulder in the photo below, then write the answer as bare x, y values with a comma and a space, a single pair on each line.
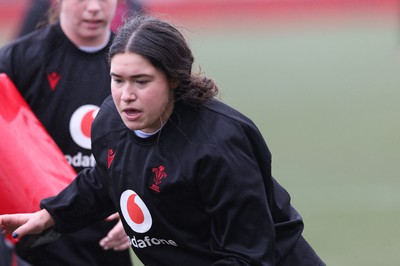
227, 117
215, 122
39, 36
31, 46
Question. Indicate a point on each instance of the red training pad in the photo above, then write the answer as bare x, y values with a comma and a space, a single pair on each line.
32, 166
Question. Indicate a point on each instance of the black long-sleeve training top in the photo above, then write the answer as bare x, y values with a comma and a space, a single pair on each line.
200, 192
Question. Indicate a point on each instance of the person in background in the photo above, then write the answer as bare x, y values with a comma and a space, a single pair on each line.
189, 175
37, 13
62, 72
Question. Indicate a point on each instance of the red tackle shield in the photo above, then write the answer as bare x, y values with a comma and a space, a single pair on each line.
32, 166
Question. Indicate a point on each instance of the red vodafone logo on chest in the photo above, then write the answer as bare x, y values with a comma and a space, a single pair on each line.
81, 123
135, 212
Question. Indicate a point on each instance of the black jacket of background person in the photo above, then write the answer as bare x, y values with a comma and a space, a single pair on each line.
200, 192
56, 79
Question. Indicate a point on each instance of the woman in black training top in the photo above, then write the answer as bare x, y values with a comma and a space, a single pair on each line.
189, 175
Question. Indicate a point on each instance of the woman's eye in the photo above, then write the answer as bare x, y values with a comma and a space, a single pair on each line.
117, 81
142, 82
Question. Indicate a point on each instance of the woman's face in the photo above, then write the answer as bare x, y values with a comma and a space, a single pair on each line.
87, 22
142, 93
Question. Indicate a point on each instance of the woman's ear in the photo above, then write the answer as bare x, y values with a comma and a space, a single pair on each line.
173, 84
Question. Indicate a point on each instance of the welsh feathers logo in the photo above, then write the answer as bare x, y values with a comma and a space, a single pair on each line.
135, 212
81, 123
159, 175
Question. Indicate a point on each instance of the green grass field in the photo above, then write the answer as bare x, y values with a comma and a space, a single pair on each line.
326, 98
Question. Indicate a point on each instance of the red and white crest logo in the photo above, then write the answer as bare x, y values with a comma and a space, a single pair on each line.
135, 212
81, 123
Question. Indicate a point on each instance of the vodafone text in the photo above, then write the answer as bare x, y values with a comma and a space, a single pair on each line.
148, 242
80, 160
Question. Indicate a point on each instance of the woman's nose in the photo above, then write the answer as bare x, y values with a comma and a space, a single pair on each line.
93, 5
128, 93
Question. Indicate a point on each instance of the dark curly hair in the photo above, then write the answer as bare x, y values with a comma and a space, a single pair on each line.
166, 49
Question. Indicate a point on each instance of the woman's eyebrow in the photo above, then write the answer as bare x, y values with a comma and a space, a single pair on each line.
133, 76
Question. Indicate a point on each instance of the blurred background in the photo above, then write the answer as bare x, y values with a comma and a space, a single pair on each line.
321, 79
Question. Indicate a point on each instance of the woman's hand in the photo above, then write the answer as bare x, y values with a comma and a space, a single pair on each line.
116, 239
23, 224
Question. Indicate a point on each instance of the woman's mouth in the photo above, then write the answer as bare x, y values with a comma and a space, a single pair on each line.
131, 114
92, 23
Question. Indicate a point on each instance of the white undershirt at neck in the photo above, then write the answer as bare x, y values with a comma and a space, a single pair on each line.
93, 49
144, 135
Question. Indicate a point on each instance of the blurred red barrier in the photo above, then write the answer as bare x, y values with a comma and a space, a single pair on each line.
32, 166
